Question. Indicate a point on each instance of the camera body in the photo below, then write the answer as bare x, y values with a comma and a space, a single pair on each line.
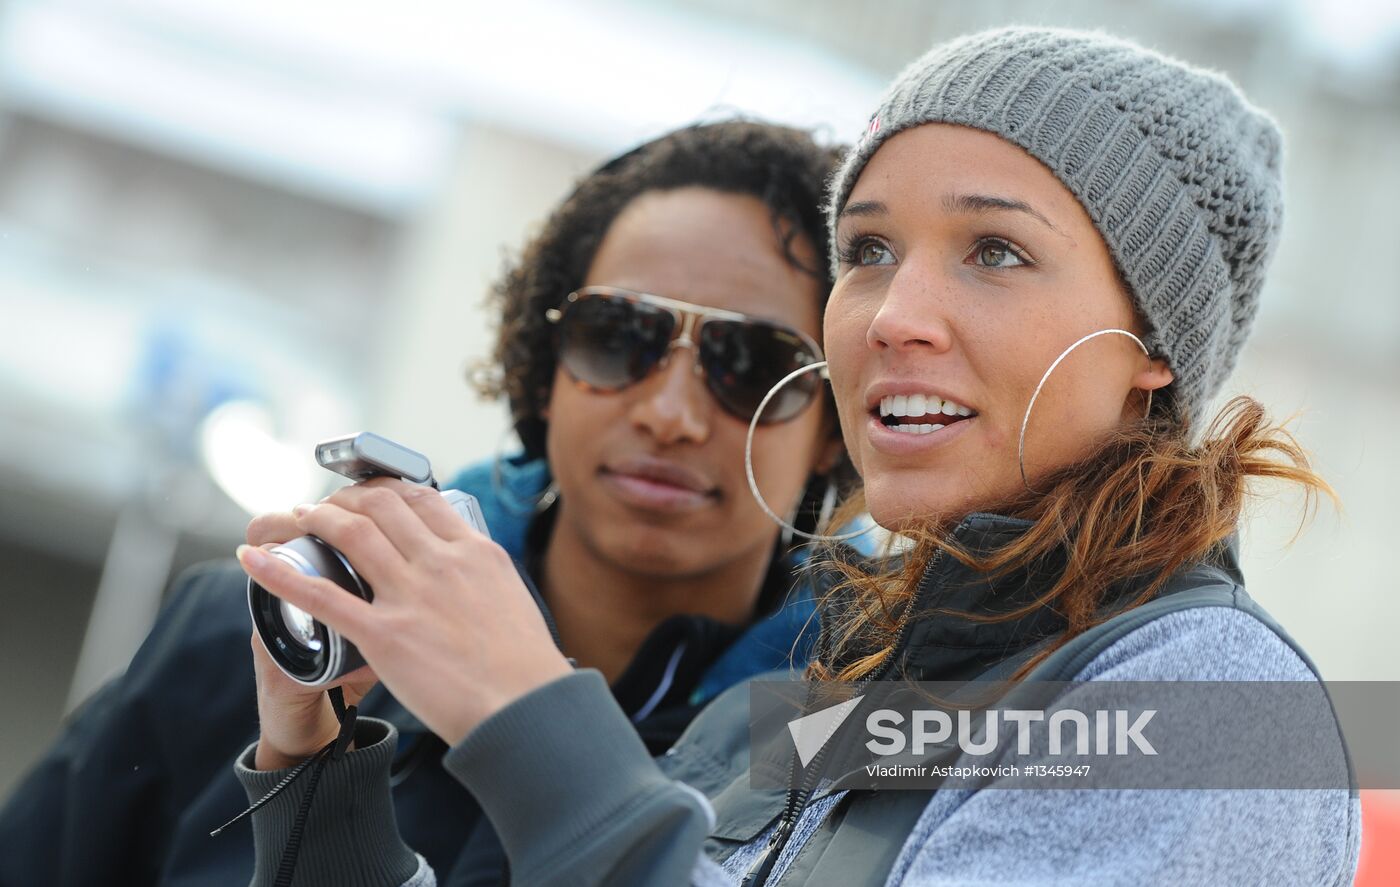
307, 651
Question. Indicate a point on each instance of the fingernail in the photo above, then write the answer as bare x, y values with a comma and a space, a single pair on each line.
302, 510
250, 556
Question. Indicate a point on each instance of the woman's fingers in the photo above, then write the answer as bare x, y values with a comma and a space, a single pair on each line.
280, 526
357, 684
323, 599
359, 537
435, 512
383, 502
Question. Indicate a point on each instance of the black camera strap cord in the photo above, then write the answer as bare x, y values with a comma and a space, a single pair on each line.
332, 751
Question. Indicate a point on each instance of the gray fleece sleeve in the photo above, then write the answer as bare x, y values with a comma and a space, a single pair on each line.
351, 837
574, 794
1135, 837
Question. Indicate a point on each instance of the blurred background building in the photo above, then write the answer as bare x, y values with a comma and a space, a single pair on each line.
230, 229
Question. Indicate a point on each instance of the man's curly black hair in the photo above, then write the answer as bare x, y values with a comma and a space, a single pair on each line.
782, 166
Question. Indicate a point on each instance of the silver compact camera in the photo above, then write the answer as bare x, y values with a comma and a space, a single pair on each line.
308, 651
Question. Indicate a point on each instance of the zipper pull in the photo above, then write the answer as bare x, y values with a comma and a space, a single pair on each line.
763, 866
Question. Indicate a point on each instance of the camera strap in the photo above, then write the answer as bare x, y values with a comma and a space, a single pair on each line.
331, 751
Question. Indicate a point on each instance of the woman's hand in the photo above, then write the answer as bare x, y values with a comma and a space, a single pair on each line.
453, 631
295, 721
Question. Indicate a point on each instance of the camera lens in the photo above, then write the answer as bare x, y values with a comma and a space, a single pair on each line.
300, 626
308, 651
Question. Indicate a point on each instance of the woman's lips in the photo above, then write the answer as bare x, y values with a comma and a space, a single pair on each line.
898, 443
657, 485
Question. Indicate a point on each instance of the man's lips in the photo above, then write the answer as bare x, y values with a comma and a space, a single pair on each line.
657, 484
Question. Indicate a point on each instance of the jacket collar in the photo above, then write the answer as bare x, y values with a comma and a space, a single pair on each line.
938, 641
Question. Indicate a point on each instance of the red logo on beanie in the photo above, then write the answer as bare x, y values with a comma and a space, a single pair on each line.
874, 126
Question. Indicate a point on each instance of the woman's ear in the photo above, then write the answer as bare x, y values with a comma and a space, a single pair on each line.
1150, 378
1154, 376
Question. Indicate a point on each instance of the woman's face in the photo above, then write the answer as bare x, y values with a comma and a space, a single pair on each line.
966, 269
651, 477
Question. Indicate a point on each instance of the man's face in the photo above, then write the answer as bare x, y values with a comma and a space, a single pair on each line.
651, 477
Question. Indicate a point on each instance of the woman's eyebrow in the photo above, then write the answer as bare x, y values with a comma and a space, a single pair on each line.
981, 203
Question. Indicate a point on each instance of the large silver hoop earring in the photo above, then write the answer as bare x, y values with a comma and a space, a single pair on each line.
828, 501
1021, 443
823, 516
828, 504
512, 503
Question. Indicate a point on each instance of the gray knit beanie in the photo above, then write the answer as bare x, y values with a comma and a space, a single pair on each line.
1179, 173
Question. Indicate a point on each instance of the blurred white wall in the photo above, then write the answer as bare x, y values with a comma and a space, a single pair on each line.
498, 189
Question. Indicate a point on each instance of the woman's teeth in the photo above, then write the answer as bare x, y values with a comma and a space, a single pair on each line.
897, 411
915, 405
916, 429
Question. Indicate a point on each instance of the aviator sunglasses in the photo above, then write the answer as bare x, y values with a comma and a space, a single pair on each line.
611, 338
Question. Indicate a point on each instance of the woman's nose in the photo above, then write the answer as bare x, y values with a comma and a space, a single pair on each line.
912, 315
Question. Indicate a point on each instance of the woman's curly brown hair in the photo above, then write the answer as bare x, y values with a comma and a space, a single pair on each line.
783, 167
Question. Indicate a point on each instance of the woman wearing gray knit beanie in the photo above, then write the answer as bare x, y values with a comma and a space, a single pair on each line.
1051, 247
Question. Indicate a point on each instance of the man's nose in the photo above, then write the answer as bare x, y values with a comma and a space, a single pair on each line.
674, 405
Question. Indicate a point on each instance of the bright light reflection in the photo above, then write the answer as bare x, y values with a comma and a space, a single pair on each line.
250, 464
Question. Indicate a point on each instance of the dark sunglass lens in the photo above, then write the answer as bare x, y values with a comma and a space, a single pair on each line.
610, 342
744, 359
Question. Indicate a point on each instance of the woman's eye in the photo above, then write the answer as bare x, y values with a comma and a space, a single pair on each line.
997, 254
873, 252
